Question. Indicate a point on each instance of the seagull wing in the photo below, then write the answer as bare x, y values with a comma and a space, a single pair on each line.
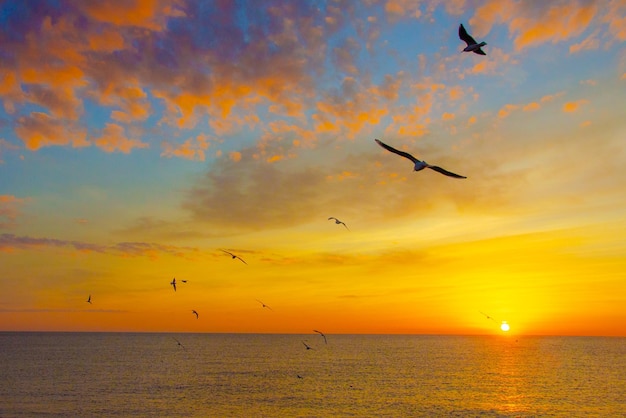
446, 172
395, 151
479, 52
241, 259
465, 36
322, 334
332, 218
228, 252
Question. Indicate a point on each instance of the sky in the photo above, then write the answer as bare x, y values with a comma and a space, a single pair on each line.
139, 139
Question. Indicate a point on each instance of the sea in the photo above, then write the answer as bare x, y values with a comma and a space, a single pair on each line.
275, 375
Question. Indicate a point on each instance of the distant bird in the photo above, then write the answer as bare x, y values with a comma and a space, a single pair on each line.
233, 256
322, 334
338, 222
173, 283
195, 313
472, 46
308, 347
184, 281
264, 305
488, 317
419, 165
89, 300
299, 377
179, 343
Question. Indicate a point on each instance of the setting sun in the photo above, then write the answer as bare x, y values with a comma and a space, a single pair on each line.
505, 327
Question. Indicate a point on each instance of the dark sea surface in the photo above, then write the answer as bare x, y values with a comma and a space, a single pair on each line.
261, 375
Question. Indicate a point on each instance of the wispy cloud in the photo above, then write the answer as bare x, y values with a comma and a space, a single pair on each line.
11, 242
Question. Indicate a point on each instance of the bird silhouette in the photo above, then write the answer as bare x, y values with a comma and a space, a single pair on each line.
173, 283
419, 165
488, 317
179, 343
195, 313
308, 347
264, 305
233, 256
338, 222
322, 334
472, 45
89, 300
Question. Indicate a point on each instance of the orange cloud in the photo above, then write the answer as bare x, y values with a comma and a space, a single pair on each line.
538, 22
192, 149
573, 106
149, 14
113, 139
506, 110
400, 8
531, 107
447, 116
235, 156
40, 130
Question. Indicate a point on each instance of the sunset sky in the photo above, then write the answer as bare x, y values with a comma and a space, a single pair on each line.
138, 140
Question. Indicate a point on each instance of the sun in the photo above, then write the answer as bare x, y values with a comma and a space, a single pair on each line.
505, 327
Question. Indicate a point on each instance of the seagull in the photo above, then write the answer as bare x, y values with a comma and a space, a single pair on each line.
184, 281
264, 305
472, 46
235, 256
322, 334
308, 347
179, 343
419, 165
173, 283
195, 313
488, 317
338, 222
89, 300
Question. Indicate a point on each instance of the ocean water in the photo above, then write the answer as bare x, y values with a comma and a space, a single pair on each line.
252, 375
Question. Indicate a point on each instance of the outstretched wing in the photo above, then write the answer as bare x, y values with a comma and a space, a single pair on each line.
465, 36
446, 172
395, 151
242, 260
479, 52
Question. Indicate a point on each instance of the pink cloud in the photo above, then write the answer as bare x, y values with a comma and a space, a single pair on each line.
9, 210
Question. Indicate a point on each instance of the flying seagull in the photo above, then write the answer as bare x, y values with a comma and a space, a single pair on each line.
89, 300
264, 305
173, 283
308, 347
235, 256
488, 317
179, 343
184, 281
195, 313
419, 165
322, 334
472, 46
338, 222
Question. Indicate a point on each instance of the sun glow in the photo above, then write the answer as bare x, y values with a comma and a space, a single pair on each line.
505, 327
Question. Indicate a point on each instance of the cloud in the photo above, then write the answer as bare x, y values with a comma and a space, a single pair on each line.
591, 42
11, 242
537, 22
41, 130
9, 210
192, 149
6, 145
113, 139
574, 106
